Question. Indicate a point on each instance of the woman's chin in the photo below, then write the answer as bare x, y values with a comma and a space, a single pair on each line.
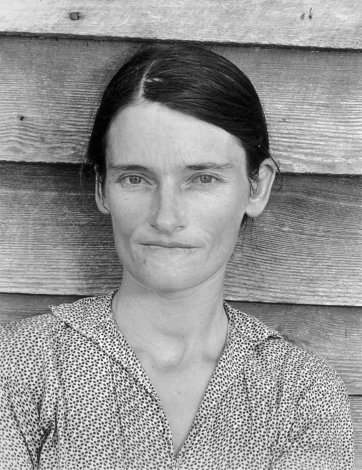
173, 279
169, 283
166, 280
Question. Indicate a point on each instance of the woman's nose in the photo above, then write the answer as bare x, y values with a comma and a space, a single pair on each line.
168, 211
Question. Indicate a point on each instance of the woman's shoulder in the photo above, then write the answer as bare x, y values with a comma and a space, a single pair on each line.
24, 324
293, 364
37, 329
32, 330
30, 343
300, 366
36, 336
24, 343
26, 350
281, 357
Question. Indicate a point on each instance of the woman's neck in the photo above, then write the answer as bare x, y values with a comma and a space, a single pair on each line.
172, 329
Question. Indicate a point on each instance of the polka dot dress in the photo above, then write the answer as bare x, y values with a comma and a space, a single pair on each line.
73, 395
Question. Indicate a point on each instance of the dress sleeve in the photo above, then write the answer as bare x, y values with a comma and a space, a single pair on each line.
20, 432
321, 436
14, 453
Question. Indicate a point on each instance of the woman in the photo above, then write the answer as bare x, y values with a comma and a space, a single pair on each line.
162, 373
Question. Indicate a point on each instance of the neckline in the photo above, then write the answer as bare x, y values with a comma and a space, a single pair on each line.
92, 318
207, 397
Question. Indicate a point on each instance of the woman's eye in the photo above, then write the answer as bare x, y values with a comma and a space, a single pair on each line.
135, 179
205, 179
132, 180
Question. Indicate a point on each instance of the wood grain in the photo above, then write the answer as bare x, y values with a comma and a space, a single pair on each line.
49, 90
333, 333
305, 248
301, 23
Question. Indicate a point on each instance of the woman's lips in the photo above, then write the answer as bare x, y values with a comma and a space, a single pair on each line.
167, 245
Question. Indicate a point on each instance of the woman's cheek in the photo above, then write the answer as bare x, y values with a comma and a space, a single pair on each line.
223, 216
127, 212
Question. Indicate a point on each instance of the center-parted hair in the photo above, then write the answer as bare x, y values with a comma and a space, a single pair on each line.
193, 81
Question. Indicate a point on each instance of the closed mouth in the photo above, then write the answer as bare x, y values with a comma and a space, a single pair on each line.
168, 245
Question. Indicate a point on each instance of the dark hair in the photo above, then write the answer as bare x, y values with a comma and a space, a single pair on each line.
191, 80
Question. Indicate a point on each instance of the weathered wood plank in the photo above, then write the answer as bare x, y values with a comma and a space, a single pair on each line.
301, 23
306, 248
49, 90
307, 244
333, 333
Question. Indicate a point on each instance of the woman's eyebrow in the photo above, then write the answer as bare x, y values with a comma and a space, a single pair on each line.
132, 167
196, 167
210, 166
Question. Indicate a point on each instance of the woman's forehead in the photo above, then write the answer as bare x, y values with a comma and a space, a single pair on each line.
153, 131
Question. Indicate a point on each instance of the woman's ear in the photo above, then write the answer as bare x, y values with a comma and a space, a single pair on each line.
260, 189
99, 193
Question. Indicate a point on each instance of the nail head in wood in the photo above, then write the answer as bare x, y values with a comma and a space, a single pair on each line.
74, 15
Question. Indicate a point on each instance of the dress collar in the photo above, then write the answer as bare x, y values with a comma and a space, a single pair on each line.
92, 317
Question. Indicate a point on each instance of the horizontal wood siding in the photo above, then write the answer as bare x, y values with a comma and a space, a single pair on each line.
313, 23
306, 248
49, 90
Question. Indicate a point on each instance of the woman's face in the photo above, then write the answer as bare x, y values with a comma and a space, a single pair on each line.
177, 190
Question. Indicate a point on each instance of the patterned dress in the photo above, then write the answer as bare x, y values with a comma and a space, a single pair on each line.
73, 395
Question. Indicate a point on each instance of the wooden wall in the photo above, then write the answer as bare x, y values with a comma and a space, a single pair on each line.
299, 268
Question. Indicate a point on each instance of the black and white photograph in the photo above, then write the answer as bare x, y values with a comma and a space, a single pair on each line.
180, 235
